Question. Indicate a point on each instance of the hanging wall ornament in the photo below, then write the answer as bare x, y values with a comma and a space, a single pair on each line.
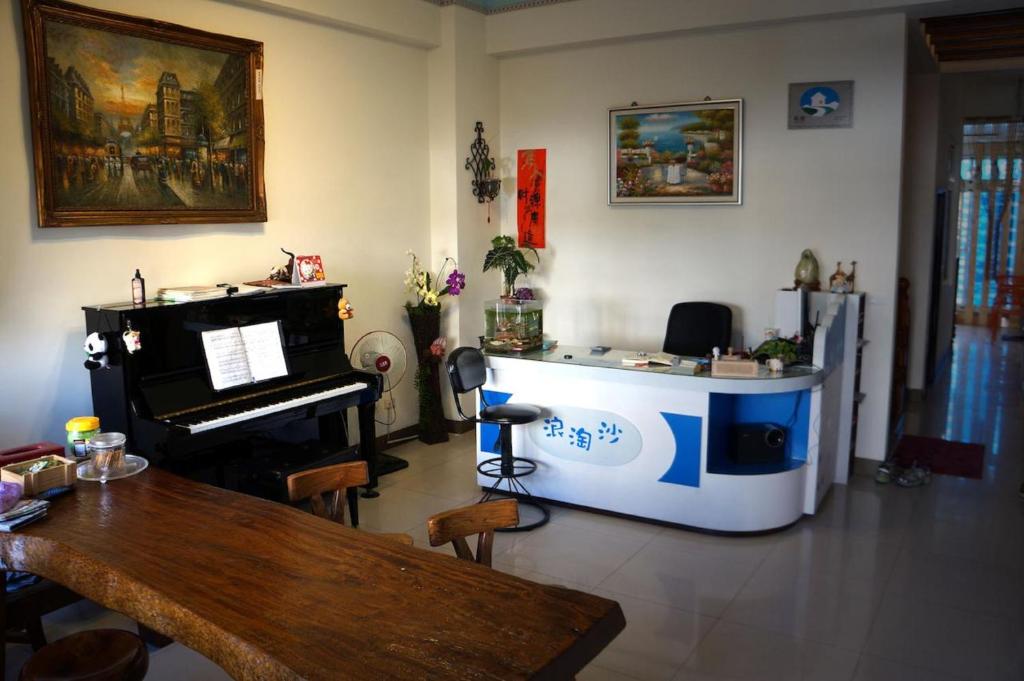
531, 196
479, 161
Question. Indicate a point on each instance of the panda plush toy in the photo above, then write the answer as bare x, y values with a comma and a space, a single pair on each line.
96, 347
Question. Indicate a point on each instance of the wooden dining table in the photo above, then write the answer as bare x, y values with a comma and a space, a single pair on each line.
270, 592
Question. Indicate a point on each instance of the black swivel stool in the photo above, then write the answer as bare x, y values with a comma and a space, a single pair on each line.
695, 328
467, 372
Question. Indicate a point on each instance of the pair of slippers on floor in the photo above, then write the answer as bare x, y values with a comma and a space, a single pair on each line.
905, 476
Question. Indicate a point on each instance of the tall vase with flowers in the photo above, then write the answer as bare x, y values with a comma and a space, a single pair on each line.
425, 320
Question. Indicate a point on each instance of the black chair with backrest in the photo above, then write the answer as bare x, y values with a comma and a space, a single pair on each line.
467, 372
695, 328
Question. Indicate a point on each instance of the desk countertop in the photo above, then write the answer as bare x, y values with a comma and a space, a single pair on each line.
793, 378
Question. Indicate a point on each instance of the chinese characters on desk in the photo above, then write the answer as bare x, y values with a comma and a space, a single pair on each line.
579, 436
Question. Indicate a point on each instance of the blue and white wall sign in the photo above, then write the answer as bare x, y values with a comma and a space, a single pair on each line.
825, 104
592, 436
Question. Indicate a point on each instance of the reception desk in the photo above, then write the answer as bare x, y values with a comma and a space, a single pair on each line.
654, 442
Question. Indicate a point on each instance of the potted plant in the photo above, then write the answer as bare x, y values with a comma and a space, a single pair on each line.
425, 320
514, 322
505, 256
778, 352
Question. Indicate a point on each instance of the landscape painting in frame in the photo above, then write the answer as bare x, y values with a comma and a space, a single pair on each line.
141, 122
676, 153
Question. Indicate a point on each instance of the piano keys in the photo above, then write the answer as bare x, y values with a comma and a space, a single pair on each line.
256, 410
162, 398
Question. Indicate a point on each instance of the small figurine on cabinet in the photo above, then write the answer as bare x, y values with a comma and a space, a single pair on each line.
284, 272
345, 309
852, 277
839, 282
805, 276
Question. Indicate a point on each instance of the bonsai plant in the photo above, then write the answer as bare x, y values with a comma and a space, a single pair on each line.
784, 349
505, 256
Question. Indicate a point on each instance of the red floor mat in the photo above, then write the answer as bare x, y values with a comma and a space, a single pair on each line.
944, 457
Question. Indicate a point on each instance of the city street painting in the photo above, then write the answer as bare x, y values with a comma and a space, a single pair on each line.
142, 122
676, 153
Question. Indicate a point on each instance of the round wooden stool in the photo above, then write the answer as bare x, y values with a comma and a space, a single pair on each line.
96, 655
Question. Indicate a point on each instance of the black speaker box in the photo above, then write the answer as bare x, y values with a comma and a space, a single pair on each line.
757, 443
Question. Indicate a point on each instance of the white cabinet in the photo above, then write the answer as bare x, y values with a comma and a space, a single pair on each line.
792, 309
852, 353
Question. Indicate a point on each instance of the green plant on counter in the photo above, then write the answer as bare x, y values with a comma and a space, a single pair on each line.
779, 348
510, 260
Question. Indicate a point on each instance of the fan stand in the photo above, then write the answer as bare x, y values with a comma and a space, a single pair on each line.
385, 463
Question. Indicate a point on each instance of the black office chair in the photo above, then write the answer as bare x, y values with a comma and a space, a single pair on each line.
467, 371
695, 328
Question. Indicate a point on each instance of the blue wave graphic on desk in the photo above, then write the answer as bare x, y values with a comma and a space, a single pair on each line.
685, 468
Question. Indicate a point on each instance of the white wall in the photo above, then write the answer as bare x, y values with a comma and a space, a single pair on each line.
583, 22
918, 220
406, 21
611, 274
463, 89
347, 177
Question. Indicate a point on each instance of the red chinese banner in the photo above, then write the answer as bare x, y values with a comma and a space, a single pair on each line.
531, 195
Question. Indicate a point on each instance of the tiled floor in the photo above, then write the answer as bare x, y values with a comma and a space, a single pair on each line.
882, 584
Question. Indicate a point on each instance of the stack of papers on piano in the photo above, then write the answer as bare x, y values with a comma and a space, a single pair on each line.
24, 512
187, 294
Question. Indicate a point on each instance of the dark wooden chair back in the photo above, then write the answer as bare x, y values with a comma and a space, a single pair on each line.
479, 519
333, 482
330, 482
91, 655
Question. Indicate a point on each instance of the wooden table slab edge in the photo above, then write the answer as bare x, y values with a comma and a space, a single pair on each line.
112, 588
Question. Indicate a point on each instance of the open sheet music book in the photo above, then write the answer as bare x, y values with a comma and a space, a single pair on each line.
241, 355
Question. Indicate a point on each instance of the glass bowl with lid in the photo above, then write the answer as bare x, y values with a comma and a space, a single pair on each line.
107, 453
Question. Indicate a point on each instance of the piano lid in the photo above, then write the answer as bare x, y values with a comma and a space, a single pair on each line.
153, 303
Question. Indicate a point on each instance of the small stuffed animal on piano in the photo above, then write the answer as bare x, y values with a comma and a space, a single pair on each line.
345, 309
96, 347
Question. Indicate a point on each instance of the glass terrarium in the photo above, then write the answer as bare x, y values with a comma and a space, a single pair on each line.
513, 325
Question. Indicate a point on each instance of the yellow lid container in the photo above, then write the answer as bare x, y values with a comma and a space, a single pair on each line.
82, 423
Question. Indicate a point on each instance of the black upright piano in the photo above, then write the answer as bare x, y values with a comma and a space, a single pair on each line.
248, 437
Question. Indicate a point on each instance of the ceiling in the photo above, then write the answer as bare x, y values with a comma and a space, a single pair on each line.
974, 37
496, 6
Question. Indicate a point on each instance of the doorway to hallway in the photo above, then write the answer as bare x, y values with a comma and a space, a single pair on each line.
990, 275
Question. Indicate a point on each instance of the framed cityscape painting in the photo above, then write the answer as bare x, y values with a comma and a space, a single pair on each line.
136, 121
676, 153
